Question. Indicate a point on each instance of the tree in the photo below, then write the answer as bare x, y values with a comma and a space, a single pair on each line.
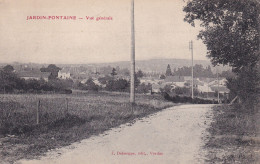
162, 77
232, 35
113, 73
91, 85
231, 30
8, 68
227, 74
53, 69
8, 81
168, 70
143, 88
117, 85
139, 74
104, 80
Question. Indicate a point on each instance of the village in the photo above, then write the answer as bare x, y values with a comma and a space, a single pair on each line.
175, 81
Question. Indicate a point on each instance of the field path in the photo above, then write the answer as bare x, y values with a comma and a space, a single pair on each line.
174, 135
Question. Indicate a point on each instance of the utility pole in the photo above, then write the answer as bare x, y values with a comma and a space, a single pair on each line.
132, 87
192, 82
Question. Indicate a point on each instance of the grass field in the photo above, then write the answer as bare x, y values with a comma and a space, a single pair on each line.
234, 135
59, 125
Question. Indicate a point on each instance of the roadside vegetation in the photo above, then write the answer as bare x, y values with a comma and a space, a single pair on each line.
234, 134
232, 35
88, 113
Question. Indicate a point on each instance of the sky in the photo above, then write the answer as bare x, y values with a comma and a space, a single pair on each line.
160, 31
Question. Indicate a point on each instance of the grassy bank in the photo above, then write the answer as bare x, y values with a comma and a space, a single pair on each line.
60, 124
234, 135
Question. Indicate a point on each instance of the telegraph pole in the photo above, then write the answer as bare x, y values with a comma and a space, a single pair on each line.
191, 49
132, 87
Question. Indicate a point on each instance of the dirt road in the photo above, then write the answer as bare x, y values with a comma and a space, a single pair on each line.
175, 135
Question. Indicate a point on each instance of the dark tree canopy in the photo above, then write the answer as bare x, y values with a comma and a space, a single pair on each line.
231, 30
231, 33
8, 68
53, 69
113, 73
168, 70
139, 74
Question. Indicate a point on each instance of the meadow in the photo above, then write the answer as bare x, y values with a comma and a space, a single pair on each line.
64, 119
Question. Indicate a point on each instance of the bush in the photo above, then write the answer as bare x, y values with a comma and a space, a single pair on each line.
143, 88
120, 85
10, 83
182, 91
185, 99
91, 85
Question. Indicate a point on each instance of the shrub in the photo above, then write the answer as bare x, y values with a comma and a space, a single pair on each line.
143, 88
91, 85
117, 85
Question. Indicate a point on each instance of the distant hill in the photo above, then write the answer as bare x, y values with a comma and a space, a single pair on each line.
158, 65
151, 65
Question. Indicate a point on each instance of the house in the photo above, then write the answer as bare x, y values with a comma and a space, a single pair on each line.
63, 74
34, 74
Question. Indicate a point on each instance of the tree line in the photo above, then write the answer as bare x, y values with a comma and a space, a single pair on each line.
198, 71
232, 36
11, 83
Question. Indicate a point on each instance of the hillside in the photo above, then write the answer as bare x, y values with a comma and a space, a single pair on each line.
159, 65
151, 65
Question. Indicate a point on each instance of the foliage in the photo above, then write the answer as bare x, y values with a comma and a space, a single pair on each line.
53, 69
166, 89
143, 88
139, 74
245, 85
11, 83
104, 80
233, 120
232, 37
231, 30
91, 85
121, 85
162, 77
79, 85
198, 71
8, 81
113, 73
182, 91
185, 99
8, 68
227, 74
168, 70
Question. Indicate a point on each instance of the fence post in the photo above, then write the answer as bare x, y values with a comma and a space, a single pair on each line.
37, 114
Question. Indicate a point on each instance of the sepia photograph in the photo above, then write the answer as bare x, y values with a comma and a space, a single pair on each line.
129, 81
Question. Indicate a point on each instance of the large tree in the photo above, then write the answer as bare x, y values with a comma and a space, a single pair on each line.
53, 69
231, 33
8, 68
231, 30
